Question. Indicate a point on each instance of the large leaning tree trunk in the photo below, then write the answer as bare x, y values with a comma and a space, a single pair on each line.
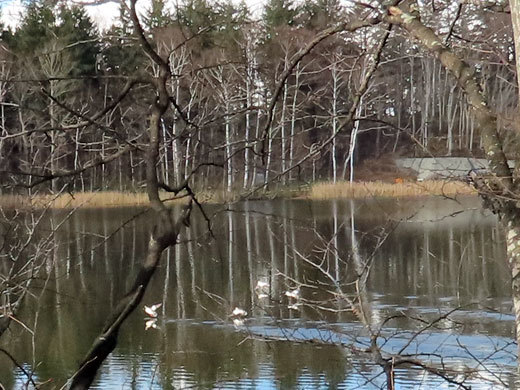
501, 188
515, 20
163, 235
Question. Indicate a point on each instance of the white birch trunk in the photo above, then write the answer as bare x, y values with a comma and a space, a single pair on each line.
334, 120
513, 234
249, 103
352, 145
229, 148
293, 118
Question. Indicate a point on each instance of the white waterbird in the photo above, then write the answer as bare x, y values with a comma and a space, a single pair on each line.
238, 312
151, 324
261, 285
295, 294
238, 322
151, 311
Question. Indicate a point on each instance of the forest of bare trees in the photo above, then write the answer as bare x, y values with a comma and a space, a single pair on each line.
246, 110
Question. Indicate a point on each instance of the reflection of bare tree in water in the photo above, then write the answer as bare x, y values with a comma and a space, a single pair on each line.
390, 340
324, 293
29, 265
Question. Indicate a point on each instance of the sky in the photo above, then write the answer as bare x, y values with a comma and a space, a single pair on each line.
102, 14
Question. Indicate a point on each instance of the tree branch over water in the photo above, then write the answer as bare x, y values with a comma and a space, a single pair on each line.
164, 233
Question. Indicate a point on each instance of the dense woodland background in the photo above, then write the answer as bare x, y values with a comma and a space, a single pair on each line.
59, 75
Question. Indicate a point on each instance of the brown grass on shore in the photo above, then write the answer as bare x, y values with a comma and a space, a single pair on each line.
104, 199
79, 200
330, 190
324, 190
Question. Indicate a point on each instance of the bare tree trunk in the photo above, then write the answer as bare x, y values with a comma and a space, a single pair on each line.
352, 145
247, 135
297, 73
53, 136
177, 64
282, 132
269, 152
76, 153
425, 114
412, 94
229, 147
255, 157
163, 235
515, 19
513, 233
335, 87
249, 103
450, 116
3, 91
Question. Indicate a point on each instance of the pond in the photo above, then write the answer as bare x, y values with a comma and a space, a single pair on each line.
317, 280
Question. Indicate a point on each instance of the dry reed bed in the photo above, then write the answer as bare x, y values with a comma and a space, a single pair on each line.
317, 191
380, 189
100, 199
79, 200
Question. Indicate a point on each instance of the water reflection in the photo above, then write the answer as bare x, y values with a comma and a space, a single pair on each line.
432, 256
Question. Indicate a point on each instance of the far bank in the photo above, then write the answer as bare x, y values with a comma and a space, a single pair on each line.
317, 191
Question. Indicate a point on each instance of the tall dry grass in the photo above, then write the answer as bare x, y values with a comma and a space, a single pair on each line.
324, 190
103, 199
329, 190
79, 200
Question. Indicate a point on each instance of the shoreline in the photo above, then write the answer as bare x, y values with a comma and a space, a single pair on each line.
316, 191
402, 189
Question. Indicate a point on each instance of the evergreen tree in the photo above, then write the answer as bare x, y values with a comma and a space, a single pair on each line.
230, 21
278, 13
35, 29
157, 15
198, 16
121, 54
78, 32
61, 27
215, 25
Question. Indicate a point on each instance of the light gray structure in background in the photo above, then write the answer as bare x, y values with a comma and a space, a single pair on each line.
442, 167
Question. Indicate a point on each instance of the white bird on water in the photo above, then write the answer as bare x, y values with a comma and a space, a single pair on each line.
238, 322
262, 289
151, 324
238, 312
151, 311
261, 285
295, 294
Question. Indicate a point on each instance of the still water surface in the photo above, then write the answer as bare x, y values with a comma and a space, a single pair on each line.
426, 257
